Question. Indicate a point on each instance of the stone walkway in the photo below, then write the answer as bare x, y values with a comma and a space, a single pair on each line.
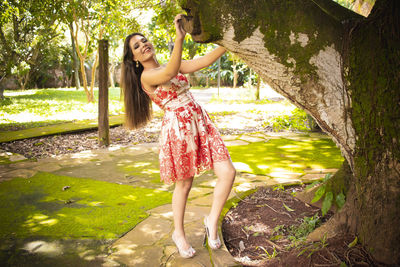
149, 243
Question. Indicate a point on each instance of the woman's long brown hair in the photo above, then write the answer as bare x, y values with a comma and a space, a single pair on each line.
137, 103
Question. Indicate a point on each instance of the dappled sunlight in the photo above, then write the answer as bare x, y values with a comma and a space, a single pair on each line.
284, 173
53, 248
243, 187
39, 216
84, 155
316, 166
242, 166
296, 165
262, 166
284, 157
95, 203
286, 180
130, 197
140, 164
88, 255
9, 93
289, 146
151, 171
53, 105
125, 249
49, 222
35, 221
167, 215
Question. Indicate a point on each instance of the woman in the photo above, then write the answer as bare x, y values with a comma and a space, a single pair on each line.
189, 142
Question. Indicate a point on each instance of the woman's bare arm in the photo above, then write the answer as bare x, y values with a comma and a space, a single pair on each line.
162, 75
188, 66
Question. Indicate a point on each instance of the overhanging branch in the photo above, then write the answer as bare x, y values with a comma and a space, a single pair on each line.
336, 11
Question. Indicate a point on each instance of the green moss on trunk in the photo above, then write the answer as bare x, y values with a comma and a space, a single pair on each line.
373, 62
340, 182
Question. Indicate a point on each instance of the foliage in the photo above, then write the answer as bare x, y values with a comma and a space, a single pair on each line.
26, 29
67, 207
268, 255
162, 33
297, 234
227, 70
350, 4
327, 195
298, 120
313, 247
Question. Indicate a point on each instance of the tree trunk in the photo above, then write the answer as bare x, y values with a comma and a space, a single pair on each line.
235, 73
111, 74
75, 58
82, 55
343, 69
258, 87
2, 87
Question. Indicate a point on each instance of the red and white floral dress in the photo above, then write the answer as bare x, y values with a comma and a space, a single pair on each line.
189, 141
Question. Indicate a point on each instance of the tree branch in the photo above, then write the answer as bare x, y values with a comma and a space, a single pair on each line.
336, 11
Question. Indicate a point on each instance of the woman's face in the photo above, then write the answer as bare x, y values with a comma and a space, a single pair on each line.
141, 48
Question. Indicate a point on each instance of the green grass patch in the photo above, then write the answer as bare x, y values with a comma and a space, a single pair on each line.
284, 154
87, 209
32, 108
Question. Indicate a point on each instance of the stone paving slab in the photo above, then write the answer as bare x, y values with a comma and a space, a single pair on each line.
20, 173
236, 143
310, 177
229, 137
47, 167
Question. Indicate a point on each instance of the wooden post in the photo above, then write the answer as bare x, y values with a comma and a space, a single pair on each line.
104, 136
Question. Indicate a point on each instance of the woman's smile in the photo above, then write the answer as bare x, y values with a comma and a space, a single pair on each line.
146, 50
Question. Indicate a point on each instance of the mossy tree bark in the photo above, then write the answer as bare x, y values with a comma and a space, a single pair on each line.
343, 69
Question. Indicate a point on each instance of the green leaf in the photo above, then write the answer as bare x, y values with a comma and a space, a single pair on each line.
287, 208
343, 264
327, 177
318, 194
340, 200
352, 244
326, 205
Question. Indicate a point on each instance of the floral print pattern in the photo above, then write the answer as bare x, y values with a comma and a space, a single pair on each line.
189, 141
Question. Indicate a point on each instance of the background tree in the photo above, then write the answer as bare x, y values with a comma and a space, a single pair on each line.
343, 69
26, 30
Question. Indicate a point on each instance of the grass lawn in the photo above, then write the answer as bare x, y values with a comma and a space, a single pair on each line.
93, 209
34, 108
286, 155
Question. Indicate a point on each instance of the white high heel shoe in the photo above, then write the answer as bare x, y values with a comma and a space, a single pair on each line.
213, 244
188, 253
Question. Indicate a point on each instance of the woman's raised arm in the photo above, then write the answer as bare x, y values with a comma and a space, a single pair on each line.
159, 76
188, 66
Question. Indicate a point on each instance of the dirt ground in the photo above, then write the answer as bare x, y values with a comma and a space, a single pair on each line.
49, 146
268, 228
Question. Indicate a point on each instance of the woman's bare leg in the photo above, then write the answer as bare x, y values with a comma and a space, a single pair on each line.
179, 199
225, 172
